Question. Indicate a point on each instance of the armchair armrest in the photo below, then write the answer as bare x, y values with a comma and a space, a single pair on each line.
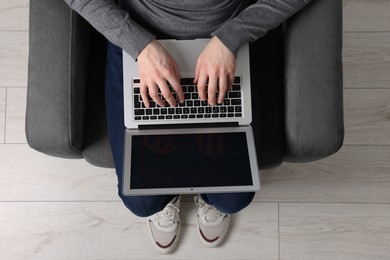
313, 82
57, 78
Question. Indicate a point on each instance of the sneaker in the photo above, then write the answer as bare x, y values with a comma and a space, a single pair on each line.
212, 224
164, 227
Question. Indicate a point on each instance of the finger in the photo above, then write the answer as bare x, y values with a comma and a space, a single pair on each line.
166, 93
144, 93
212, 89
196, 77
223, 88
153, 93
230, 81
175, 83
202, 84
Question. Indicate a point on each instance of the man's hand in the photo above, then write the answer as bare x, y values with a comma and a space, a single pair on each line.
157, 67
216, 66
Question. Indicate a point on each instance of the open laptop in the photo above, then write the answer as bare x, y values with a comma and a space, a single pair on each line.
193, 147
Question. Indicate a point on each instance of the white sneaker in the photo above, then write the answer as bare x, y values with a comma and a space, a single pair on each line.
212, 224
164, 227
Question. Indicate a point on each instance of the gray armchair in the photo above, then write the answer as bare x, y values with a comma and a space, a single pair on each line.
298, 103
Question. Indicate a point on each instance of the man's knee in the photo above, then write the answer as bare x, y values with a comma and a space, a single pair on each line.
229, 203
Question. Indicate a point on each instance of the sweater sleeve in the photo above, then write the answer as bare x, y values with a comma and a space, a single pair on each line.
114, 23
256, 20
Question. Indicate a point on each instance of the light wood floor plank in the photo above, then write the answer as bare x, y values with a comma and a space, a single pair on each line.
356, 174
15, 116
366, 15
367, 116
109, 231
334, 231
14, 15
27, 175
2, 113
13, 58
366, 60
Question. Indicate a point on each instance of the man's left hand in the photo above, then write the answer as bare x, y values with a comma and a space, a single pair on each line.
215, 68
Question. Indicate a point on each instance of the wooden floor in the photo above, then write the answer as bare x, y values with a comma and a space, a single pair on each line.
336, 208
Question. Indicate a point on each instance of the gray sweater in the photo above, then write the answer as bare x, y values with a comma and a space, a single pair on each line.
133, 24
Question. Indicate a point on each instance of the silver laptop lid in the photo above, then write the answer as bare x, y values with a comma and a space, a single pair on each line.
180, 161
186, 53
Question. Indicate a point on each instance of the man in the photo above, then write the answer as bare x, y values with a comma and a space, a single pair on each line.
133, 27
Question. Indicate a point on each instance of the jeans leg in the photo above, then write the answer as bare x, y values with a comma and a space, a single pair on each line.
229, 203
142, 206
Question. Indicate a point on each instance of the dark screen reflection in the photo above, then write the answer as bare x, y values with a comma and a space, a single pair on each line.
190, 160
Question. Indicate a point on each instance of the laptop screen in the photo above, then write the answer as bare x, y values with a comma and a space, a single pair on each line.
190, 160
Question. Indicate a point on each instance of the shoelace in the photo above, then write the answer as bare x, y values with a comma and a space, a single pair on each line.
166, 217
210, 213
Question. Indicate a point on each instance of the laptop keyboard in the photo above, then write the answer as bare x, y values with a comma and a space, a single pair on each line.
192, 108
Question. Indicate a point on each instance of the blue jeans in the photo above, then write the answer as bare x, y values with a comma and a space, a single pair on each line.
144, 206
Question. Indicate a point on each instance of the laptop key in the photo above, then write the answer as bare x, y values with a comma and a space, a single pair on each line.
215, 109
137, 118
179, 110
161, 117
153, 117
230, 109
186, 110
199, 116
200, 110
137, 90
139, 112
156, 111
192, 116
168, 117
184, 116
176, 117
237, 109
215, 115
207, 116
208, 110
193, 110
197, 103
236, 102
236, 88
164, 111
226, 102
230, 115
204, 103
145, 118
234, 94
222, 115
238, 115
171, 111
186, 81
149, 111
223, 109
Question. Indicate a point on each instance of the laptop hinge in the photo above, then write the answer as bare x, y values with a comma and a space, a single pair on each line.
198, 125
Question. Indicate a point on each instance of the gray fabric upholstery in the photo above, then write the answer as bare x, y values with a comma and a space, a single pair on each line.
313, 82
65, 115
58, 61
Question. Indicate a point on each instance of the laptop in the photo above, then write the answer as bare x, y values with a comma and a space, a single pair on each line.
193, 147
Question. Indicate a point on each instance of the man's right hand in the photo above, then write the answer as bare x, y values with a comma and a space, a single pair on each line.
156, 69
